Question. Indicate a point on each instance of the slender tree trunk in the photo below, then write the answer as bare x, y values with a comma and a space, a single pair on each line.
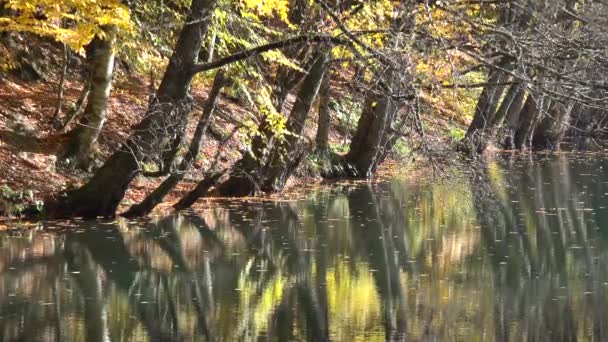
497, 119
199, 191
487, 104
512, 118
157, 196
287, 78
248, 175
64, 71
83, 137
506, 104
167, 114
78, 106
527, 120
388, 140
288, 153
322, 138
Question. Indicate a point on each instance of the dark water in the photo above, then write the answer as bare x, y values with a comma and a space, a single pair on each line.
518, 251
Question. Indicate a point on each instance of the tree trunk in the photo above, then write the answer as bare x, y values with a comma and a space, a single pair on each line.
199, 191
365, 148
527, 120
488, 102
323, 125
86, 133
507, 103
551, 129
282, 161
157, 196
245, 175
60, 124
288, 78
248, 174
64, 71
485, 111
512, 118
167, 114
497, 119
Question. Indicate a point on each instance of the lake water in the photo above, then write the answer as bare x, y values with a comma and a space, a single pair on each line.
516, 251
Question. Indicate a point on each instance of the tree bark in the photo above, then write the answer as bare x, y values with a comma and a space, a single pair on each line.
78, 107
506, 104
86, 133
323, 125
287, 78
199, 191
551, 129
365, 148
167, 114
489, 133
245, 175
158, 195
248, 175
512, 118
475, 140
64, 71
282, 162
527, 120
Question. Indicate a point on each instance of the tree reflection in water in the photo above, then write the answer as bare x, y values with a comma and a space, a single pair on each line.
515, 251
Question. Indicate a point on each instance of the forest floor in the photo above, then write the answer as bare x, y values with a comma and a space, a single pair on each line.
29, 143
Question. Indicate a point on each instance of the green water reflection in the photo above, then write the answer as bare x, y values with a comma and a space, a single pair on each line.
516, 251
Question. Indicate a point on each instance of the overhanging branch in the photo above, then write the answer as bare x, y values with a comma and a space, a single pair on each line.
239, 56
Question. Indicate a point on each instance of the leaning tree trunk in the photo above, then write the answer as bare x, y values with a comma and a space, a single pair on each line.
496, 120
245, 176
323, 124
248, 175
512, 118
288, 78
549, 132
487, 104
365, 148
487, 119
158, 195
165, 118
509, 103
527, 121
83, 137
288, 153
199, 190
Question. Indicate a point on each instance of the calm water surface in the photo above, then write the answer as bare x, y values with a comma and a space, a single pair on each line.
517, 251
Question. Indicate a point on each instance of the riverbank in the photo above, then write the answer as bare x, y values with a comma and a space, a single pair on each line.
29, 142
